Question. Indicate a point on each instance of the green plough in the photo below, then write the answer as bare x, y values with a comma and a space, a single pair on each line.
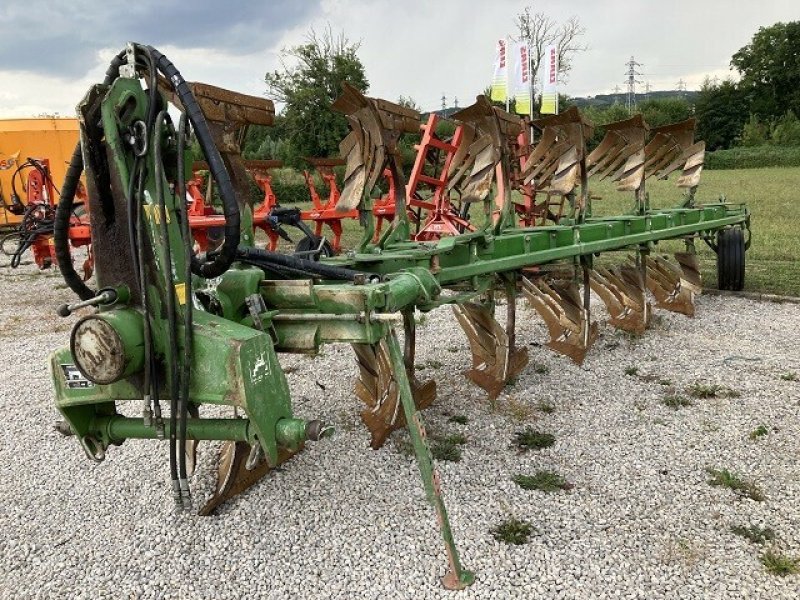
175, 331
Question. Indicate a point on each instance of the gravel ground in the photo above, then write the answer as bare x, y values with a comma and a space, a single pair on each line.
343, 521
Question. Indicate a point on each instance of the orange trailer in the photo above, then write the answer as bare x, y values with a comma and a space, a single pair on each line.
51, 138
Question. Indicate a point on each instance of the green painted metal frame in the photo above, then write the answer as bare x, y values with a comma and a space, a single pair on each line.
236, 365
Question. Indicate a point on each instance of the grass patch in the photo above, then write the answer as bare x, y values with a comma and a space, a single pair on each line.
758, 432
448, 448
512, 381
456, 439
519, 410
543, 481
435, 364
541, 369
513, 531
703, 390
665, 382
460, 419
772, 264
546, 407
779, 564
754, 533
789, 376
631, 371
675, 402
453, 349
742, 487
530, 439
442, 450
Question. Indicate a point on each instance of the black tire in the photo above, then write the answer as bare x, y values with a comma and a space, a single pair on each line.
308, 244
730, 259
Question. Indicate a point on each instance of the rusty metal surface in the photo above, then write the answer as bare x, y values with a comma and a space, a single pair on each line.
672, 147
622, 291
560, 306
375, 127
671, 290
487, 131
377, 388
495, 361
554, 164
233, 477
621, 154
221, 105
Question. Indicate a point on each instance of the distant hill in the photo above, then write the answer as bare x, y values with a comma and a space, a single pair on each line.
602, 100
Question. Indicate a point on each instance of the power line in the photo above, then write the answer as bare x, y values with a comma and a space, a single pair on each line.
632, 81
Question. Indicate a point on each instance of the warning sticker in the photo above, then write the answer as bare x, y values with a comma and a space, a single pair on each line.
74, 378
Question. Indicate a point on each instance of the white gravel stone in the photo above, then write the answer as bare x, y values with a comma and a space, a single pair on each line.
343, 521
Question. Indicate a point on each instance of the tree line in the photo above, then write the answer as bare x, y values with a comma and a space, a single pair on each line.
760, 108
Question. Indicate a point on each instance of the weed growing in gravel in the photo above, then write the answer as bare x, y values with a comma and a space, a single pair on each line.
754, 533
460, 419
742, 487
441, 450
789, 376
758, 432
448, 448
780, 564
665, 382
541, 369
631, 336
517, 409
513, 531
675, 402
453, 349
631, 371
547, 408
711, 390
543, 481
457, 439
512, 381
435, 364
531, 439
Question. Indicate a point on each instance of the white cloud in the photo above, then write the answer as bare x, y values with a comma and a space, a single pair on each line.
423, 49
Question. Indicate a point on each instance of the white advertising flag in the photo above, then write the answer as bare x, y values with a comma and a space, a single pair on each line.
499, 89
550, 82
522, 79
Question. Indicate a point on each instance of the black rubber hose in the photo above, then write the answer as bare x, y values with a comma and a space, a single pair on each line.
64, 207
61, 227
169, 284
188, 247
230, 205
316, 269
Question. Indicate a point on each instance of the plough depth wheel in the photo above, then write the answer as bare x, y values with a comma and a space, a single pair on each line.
730, 259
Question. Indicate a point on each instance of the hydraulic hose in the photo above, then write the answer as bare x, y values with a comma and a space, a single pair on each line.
65, 202
259, 257
188, 243
230, 205
169, 284
223, 260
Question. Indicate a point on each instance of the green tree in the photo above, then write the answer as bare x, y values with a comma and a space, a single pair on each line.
770, 70
308, 86
754, 133
721, 114
663, 111
786, 131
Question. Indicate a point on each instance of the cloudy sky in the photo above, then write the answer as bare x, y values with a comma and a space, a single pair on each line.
53, 49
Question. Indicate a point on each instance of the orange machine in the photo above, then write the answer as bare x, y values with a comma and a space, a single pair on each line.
51, 138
